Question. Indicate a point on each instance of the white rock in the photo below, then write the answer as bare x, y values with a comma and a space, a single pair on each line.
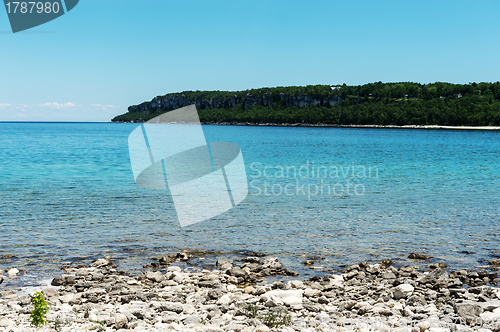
363, 307
288, 297
179, 278
296, 284
424, 325
50, 292
67, 298
12, 272
375, 268
173, 269
403, 291
336, 279
120, 321
132, 281
382, 327
65, 307
438, 329
156, 276
272, 263
224, 299
96, 291
491, 316
101, 262
6, 322
309, 292
274, 302
188, 309
380, 310
261, 328
431, 308
398, 306
96, 318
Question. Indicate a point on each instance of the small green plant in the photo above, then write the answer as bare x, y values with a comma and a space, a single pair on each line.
276, 319
202, 321
312, 324
57, 324
251, 311
270, 318
86, 313
40, 309
101, 328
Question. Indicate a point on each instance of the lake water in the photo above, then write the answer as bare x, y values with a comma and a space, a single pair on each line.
68, 195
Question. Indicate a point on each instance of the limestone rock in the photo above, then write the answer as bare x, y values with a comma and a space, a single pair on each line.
403, 291
373, 269
469, 311
120, 321
50, 292
155, 276
434, 276
271, 263
101, 262
224, 264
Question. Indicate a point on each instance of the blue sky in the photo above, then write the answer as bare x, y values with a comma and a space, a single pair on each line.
104, 55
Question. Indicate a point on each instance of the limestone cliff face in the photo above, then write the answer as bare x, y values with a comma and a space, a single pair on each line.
175, 101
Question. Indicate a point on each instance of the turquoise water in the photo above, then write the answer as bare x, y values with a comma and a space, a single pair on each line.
68, 195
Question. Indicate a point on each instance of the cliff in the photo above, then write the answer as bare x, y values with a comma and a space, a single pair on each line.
245, 101
405, 103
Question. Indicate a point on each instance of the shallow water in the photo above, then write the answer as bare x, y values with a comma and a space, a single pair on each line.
68, 195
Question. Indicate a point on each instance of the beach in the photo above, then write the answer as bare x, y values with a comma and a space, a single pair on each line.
234, 296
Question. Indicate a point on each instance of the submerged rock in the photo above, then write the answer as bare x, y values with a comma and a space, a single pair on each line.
419, 256
101, 262
495, 262
8, 256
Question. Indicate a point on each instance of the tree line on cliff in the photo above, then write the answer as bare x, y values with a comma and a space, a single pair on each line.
405, 103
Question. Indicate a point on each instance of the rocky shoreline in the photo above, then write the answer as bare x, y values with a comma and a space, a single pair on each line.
233, 297
321, 125
353, 126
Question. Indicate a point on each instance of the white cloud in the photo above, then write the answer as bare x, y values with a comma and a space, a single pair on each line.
2, 106
104, 106
107, 108
58, 106
20, 115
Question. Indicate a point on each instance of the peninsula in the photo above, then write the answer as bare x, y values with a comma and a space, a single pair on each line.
374, 104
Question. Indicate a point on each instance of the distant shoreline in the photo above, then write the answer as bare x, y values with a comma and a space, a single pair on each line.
436, 127
353, 126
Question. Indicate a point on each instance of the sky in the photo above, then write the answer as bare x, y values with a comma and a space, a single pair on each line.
105, 55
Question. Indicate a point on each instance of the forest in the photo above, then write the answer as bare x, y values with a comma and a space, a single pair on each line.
405, 103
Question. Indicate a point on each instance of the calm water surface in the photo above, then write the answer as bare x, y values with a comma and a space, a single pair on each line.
68, 195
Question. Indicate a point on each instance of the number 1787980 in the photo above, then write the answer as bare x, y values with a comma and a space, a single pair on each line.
32, 7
